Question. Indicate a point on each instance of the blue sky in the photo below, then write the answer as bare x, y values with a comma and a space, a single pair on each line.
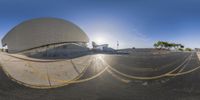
134, 23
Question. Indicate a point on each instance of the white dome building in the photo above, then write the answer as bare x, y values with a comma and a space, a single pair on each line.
46, 37
42, 32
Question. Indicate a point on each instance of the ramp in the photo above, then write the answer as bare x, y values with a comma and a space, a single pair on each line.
38, 73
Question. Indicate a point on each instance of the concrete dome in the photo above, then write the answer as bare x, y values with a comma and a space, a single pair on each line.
42, 31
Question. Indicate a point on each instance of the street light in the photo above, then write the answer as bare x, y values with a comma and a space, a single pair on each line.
117, 45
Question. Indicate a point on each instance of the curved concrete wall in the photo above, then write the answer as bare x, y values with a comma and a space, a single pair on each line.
64, 50
42, 31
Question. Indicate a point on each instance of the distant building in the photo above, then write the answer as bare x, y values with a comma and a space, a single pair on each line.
45, 36
102, 47
197, 49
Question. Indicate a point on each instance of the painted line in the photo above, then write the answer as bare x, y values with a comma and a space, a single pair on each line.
74, 66
186, 64
117, 77
144, 78
186, 72
86, 79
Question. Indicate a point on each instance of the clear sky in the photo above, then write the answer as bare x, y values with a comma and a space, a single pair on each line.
134, 23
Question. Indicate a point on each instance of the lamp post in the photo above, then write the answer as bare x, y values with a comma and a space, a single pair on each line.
117, 45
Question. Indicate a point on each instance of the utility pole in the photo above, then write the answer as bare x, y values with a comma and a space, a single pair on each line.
117, 45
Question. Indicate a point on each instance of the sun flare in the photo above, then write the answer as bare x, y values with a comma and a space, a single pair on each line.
100, 40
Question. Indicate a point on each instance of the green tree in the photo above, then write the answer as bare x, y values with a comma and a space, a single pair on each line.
180, 49
167, 45
155, 45
188, 49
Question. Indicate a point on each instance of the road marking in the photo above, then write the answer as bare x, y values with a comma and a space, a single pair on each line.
117, 77
86, 79
186, 72
74, 66
75, 80
186, 64
48, 78
153, 69
145, 78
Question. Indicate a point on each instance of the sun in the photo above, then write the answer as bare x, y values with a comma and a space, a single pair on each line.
99, 40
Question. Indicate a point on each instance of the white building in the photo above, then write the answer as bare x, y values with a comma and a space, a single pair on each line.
45, 34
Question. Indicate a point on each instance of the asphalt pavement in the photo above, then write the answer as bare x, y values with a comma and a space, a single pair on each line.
113, 86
